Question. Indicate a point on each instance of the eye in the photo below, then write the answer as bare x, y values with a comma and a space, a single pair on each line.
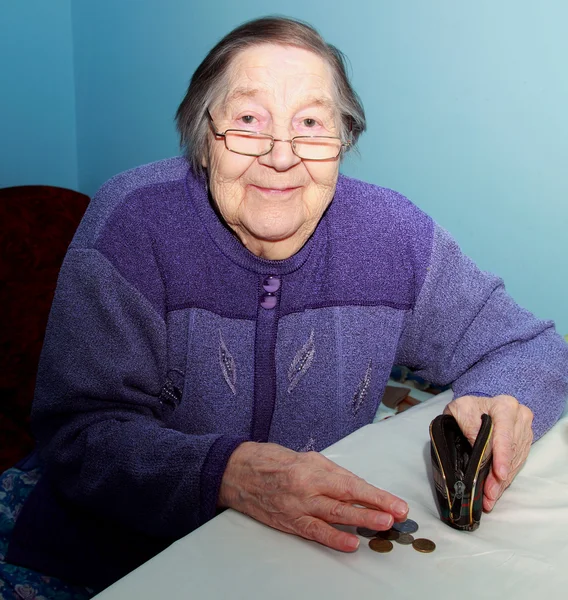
247, 119
309, 122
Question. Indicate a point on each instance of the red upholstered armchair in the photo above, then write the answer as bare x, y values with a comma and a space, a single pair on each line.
37, 225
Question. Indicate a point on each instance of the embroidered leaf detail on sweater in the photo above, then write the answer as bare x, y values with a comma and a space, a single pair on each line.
172, 390
228, 367
362, 390
302, 362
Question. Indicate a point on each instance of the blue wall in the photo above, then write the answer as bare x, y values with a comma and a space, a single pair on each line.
466, 106
37, 94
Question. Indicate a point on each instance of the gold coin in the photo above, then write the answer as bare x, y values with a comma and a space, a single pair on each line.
424, 545
379, 545
390, 534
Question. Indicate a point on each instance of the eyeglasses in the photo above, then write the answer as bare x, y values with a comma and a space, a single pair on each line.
306, 147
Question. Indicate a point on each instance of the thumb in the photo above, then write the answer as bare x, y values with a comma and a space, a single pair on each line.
468, 420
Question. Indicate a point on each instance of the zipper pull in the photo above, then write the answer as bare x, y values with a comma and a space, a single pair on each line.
459, 488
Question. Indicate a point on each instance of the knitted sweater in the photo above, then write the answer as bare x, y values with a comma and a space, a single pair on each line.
169, 344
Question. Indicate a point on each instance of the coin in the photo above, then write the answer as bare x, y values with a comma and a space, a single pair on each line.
368, 533
405, 539
424, 545
408, 526
389, 534
379, 545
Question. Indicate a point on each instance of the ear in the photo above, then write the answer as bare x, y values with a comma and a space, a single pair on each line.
205, 155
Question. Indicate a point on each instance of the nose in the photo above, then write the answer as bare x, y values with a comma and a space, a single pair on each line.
281, 157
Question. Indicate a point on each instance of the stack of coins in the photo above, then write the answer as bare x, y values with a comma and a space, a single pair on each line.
381, 541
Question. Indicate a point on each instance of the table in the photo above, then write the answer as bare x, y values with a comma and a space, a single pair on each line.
520, 550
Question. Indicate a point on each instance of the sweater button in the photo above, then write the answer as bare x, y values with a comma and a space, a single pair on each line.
271, 284
268, 301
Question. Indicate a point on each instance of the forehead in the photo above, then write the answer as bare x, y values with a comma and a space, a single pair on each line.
283, 73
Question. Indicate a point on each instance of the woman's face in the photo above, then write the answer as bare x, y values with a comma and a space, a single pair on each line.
274, 202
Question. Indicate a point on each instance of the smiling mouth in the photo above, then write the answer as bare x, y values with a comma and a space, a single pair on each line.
275, 191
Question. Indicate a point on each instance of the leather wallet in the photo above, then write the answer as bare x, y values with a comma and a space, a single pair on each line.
459, 470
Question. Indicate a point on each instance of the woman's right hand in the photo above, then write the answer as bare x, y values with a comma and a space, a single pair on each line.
304, 493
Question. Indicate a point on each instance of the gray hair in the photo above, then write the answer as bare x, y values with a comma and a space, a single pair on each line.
210, 79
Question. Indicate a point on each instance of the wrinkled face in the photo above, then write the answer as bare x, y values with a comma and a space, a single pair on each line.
274, 202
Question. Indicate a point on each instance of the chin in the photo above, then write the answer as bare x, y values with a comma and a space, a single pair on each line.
274, 236
274, 230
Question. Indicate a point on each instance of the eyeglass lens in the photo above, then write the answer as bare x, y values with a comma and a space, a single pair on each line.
314, 148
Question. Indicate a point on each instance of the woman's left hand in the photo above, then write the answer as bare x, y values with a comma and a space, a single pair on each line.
512, 437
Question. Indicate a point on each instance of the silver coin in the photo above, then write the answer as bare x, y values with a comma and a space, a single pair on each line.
405, 539
408, 526
368, 533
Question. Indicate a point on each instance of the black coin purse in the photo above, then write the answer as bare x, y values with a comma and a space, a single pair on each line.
459, 470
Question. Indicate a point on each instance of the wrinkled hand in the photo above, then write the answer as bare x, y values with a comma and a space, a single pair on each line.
512, 437
303, 493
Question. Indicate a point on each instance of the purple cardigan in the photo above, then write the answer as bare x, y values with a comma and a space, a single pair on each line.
169, 344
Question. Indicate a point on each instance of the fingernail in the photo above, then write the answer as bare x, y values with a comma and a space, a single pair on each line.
400, 507
503, 472
353, 543
384, 520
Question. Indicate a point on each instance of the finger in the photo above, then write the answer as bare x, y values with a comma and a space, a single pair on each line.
467, 411
354, 490
504, 413
341, 513
336, 482
492, 490
524, 436
318, 531
520, 445
488, 505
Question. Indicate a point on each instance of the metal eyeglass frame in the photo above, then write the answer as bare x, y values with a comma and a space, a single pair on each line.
346, 144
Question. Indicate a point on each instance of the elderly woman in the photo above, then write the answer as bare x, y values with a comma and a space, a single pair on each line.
221, 316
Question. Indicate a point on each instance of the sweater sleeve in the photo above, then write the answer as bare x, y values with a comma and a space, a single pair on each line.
100, 411
466, 330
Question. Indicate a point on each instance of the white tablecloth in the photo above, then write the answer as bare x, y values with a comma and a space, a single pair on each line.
520, 550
